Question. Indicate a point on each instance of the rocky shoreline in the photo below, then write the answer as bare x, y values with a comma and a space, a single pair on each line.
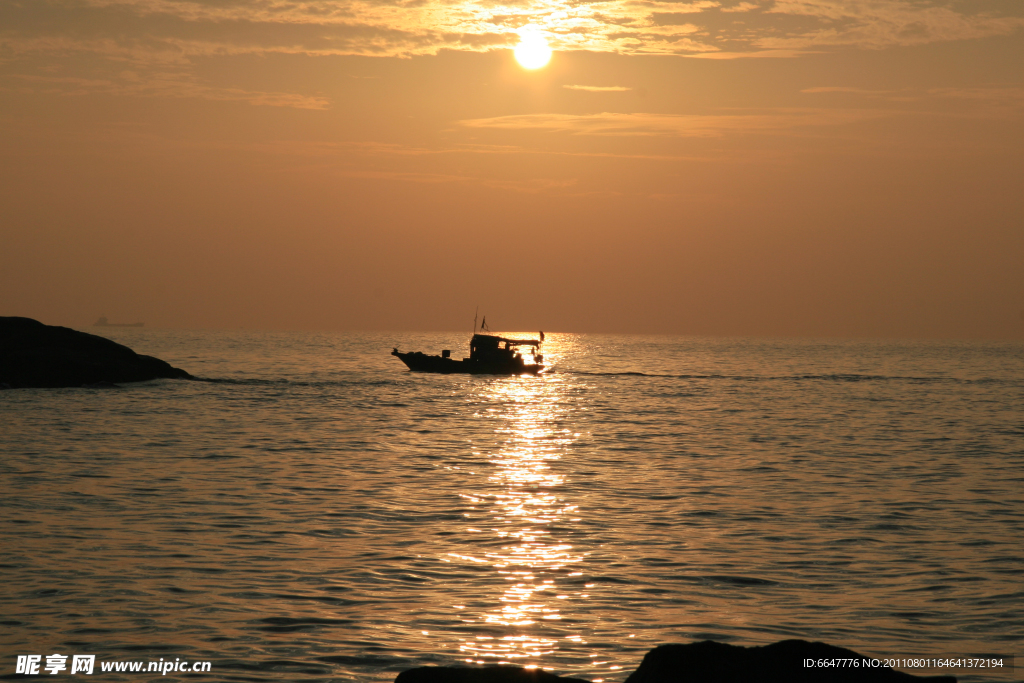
38, 356
788, 661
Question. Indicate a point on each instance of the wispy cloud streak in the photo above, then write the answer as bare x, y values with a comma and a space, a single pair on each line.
682, 125
173, 86
597, 88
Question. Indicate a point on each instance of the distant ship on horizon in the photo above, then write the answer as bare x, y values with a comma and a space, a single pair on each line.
103, 322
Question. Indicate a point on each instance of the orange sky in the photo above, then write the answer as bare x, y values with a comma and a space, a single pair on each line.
787, 167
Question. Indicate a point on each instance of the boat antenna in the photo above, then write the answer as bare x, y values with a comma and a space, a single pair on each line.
475, 314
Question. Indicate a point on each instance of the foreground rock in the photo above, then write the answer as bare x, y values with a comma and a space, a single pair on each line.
44, 356
484, 674
782, 662
706, 662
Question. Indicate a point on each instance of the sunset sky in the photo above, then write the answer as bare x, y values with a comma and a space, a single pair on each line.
768, 167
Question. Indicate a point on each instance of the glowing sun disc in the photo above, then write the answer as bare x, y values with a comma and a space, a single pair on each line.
533, 52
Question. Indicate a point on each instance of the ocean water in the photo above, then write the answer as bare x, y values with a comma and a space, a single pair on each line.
315, 512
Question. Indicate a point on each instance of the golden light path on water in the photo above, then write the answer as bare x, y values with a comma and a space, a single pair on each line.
521, 505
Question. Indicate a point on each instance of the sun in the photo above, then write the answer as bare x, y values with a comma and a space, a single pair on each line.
533, 51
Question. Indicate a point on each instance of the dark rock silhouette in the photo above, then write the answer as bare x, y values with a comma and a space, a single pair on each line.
484, 674
705, 662
34, 355
782, 662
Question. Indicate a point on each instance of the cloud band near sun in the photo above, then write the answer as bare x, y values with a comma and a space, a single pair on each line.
80, 46
174, 30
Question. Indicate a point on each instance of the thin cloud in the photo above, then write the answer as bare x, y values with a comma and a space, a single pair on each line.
530, 186
845, 89
995, 96
759, 54
411, 177
874, 25
680, 7
172, 86
597, 88
684, 125
985, 94
742, 7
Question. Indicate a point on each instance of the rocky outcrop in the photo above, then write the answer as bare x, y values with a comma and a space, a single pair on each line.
484, 674
782, 662
43, 356
706, 662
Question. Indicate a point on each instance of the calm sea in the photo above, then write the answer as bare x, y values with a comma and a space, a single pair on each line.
317, 512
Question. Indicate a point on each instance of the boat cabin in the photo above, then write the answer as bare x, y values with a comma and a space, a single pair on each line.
490, 348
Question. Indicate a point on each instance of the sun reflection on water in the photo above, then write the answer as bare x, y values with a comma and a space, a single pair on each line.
522, 507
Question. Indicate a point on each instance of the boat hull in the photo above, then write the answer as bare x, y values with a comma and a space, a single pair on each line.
421, 362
